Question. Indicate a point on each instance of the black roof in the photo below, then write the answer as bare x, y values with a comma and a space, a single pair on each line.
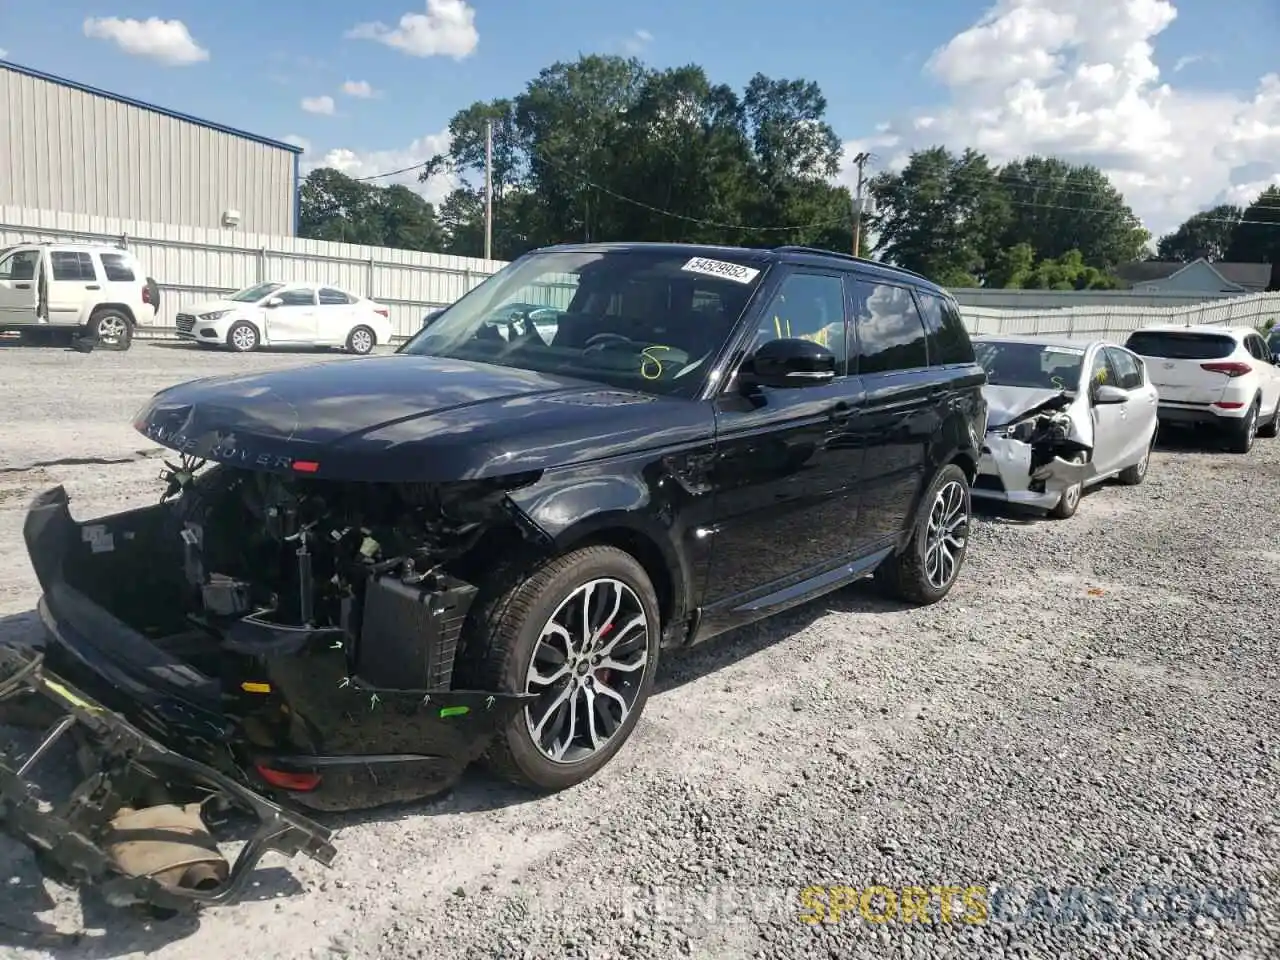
812, 256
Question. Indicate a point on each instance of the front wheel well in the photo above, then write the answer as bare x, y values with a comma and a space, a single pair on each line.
647, 554
967, 463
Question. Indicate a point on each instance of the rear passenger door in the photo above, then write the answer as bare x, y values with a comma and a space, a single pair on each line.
73, 285
335, 315
903, 400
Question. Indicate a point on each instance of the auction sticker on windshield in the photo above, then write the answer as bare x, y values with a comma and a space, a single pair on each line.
720, 268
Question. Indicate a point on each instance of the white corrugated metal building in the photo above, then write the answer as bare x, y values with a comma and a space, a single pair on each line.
71, 148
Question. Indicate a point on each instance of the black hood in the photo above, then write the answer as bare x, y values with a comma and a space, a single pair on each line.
408, 418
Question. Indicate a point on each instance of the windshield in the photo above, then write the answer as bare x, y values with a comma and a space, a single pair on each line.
1181, 346
637, 319
255, 293
1032, 365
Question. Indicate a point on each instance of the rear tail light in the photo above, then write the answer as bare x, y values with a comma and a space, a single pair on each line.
146, 294
382, 312
1232, 368
287, 780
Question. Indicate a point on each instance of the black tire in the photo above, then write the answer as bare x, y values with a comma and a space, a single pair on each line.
1242, 434
110, 329
1271, 428
1069, 502
361, 340
503, 632
1134, 475
243, 337
904, 576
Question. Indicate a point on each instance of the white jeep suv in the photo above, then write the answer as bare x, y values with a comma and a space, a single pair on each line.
96, 290
1216, 376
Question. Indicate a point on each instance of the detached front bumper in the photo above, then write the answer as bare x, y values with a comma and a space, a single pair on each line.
1005, 473
97, 836
371, 743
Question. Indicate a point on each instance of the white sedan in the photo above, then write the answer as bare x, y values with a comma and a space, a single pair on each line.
287, 314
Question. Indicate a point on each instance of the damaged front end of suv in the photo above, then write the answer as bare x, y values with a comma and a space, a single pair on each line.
1037, 447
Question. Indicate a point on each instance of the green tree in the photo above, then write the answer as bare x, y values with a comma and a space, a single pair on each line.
1057, 207
941, 216
1256, 238
605, 148
1206, 234
334, 206
1067, 272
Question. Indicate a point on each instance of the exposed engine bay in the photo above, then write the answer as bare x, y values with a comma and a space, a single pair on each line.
296, 551
1040, 449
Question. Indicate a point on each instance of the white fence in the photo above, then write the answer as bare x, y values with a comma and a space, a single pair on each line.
1112, 322
1038, 300
193, 263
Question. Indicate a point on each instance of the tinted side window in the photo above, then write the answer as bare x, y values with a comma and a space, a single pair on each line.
117, 268
1128, 376
1100, 371
303, 297
891, 334
332, 297
19, 266
71, 265
1256, 347
944, 331
808, 306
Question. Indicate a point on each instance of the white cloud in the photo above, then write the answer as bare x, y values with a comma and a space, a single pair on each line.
637, 41
298, 141
447, 29
1078, 80
361, 89
166, 41
321, 105
366, 163
1184, 62
3, 53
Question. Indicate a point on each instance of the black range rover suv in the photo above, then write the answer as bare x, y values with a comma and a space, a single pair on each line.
366, 574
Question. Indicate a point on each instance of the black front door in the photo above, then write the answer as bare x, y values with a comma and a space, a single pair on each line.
785, 476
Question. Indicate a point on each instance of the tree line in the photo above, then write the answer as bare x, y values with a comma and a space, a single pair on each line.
607, 148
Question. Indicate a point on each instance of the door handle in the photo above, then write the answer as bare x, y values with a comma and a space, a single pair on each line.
92, 286
22, 286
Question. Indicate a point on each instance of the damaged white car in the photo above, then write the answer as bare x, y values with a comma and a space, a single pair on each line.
1063, 415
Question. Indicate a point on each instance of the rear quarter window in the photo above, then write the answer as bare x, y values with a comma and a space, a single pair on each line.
1181, 346
947, 338
117, 268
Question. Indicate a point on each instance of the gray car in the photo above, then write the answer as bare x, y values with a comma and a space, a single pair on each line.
1063, 415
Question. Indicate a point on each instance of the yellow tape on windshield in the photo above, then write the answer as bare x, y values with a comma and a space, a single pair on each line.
651, 366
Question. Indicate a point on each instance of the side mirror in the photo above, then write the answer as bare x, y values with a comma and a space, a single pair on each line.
789, 362
273, 303
1108, 393
431, 317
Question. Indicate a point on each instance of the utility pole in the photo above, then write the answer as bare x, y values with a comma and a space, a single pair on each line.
860, 161
488, 190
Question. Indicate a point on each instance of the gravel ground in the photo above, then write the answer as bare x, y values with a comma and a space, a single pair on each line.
1093, 709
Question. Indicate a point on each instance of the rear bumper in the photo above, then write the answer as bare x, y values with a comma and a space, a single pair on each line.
1197, 414
372, 744
80, 836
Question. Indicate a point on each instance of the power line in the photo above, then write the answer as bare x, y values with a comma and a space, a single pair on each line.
392, 173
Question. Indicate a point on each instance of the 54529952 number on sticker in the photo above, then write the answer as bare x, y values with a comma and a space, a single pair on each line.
721, 268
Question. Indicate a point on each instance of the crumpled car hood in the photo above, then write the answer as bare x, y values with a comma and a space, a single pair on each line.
1005, 404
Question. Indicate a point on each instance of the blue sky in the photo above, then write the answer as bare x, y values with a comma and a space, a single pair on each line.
265, 57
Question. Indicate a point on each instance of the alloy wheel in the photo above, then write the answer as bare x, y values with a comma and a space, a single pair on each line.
111, 330
243, 338
946, 534
587, 669
361, 341
1251, 425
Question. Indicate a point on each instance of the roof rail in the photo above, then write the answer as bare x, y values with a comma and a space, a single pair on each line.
797, 248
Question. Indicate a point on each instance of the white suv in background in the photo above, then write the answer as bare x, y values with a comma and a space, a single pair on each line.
69, 288
1216, 376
